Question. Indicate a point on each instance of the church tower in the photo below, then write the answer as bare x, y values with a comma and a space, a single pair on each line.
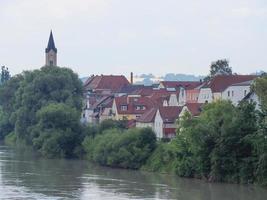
51, 52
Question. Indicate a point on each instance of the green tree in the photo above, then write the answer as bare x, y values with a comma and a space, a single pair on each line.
7, 101
260, 139
5, 75
260, 88
219, 67
30, 97
58, 131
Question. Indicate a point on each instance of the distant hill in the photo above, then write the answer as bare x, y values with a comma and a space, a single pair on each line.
149, 79
182, 77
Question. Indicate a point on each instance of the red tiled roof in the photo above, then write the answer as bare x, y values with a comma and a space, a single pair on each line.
194, 108
145, 91
132, 103
148, 116
169, 114
106, 82
177, 84
162, 94
221, 82
105, 101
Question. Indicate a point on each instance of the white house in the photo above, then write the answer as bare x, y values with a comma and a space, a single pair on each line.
147, 119
165, 121
237, 92
225, 87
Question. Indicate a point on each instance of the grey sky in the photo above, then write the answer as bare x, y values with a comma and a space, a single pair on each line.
143, 36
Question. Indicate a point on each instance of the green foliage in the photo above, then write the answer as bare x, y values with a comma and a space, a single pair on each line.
121, 148
7, 101
224, 143
219, 67
259, 141
111, 124
260, 87
58, 131
5, 75
42, 108
11, 138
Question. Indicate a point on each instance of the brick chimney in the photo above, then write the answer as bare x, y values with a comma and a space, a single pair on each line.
131, 79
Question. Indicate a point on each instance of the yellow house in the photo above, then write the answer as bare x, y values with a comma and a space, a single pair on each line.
130, 107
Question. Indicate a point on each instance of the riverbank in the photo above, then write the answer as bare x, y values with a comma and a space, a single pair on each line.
225, 143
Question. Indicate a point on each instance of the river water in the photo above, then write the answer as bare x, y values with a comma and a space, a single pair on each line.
25, 176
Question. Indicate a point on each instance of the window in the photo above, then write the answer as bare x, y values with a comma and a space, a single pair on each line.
228, 93
124, 107
141, 107
51, 63
245, 93
232, 93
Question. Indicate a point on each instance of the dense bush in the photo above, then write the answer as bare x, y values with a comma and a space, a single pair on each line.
121, 148
222, 144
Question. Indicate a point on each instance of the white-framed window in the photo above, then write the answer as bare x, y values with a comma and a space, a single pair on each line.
232, 93
245, 93
228, 93
124, 107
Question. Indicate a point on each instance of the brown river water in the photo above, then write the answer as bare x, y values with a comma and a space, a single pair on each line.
25, 176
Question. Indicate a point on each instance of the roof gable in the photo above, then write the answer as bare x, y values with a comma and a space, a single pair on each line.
169, 114
148, 116
135, 105
221, 82
106, 82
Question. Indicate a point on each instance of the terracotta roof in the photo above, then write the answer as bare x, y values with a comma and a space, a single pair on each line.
221, 82
245, 83
137, 89
160, 95
130, 89
106, 82
177, 84
194, 108
148, 116
145, 91
105, 101
132, 103
169, 114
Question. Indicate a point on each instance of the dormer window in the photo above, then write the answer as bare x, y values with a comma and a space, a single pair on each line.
140, 107
124, 107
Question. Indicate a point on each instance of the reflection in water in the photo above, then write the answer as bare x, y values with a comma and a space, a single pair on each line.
25, 176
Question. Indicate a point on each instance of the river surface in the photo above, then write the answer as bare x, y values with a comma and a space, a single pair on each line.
25, 176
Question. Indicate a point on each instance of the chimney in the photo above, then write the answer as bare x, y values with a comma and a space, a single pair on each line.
131, 79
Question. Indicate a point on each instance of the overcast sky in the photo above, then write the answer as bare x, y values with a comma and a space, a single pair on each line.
143, 36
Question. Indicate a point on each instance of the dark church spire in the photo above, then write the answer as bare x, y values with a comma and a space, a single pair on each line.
51, 44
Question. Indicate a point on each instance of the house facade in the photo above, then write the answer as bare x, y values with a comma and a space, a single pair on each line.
226, 87
165, 121
131, 107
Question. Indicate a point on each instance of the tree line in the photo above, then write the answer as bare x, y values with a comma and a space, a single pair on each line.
41, 109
